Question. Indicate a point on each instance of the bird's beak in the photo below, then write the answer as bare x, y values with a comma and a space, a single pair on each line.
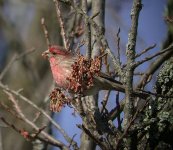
45, 54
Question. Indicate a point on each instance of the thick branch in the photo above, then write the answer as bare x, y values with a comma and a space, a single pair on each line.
130, 52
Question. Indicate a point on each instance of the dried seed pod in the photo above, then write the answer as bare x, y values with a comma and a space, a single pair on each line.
58, 100
83, 72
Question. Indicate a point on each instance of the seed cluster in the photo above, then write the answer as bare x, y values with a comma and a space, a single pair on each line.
81, 79
58, 100
83, 72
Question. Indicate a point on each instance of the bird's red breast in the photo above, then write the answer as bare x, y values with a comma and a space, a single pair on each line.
61, 66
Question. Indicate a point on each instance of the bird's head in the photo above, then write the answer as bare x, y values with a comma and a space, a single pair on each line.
55, 51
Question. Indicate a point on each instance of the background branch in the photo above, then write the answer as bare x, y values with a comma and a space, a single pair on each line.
40, 110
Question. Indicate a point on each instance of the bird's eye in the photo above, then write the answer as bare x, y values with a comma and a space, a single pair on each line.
53, 53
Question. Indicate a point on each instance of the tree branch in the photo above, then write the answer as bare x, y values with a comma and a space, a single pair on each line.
154, 66
26, 120
39, 109
61, 22
130, 53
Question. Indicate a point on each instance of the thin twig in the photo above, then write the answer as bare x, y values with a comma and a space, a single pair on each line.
11, 111
3, 73
87, 30
18, 117
105, 61
157, 95
138, 73
118, 109
145, 50
39, 109
13, 59
46, 33
95, 15
170, 48
27, 52
79, 45
105, 101
115, 61
72, 140
61, 22
100, 36
24, 118
29, 136
37, 115
153, 67
118, 44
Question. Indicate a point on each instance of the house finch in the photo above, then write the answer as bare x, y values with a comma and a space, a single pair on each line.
62, 62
